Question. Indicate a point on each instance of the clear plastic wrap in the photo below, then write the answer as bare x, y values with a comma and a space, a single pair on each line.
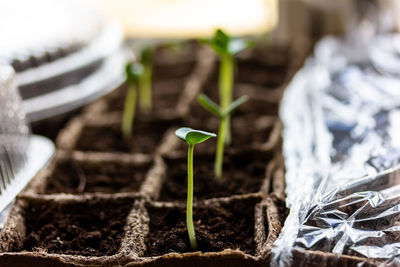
341, 116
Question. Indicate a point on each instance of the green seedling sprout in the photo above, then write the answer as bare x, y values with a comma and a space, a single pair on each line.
133, 72
226, 48
146, 59
223, 115
192, 137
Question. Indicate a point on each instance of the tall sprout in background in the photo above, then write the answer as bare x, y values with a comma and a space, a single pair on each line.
145, 84
133, 72
226, 48
223, 115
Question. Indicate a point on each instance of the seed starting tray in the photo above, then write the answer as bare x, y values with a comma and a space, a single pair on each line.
99, 202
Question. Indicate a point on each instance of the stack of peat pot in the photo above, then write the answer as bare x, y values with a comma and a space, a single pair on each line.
107, 201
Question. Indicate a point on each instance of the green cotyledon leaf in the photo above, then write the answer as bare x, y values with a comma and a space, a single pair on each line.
209, 105
192, 136
235, 104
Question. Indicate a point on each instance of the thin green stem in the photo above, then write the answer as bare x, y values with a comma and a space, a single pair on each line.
225, 81
219, 155
129, 111
145, 86
189, 205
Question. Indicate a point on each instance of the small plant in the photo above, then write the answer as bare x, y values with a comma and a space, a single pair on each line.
133, 72
146, 59
223, 115
192, 137
226, 48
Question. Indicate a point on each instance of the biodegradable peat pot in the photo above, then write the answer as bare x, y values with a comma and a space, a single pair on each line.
243, 173
69, 231
92, 173
65, 230
236, 220
234, 231
103, 134
99, 129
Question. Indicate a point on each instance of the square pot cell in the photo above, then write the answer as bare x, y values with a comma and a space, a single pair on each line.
234, 231
80, 173
68, 231
89, 229
103, 134
226, 225
242, 174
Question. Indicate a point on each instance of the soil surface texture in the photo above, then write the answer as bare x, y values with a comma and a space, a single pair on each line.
108, 177
165, 96
89, 229
146, 137
242, 174
217, 228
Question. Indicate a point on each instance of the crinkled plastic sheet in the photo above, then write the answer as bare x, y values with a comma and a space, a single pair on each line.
341, 116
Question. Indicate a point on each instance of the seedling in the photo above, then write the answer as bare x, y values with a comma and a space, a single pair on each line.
133, 72
226, 48
223, 115
146, 59
192, 137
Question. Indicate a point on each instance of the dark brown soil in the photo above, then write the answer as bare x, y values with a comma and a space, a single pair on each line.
165, 96
251, 71
173, 70
217, 228
242, 174
89, 229
108, 177
146, 137
263, 66
267, 68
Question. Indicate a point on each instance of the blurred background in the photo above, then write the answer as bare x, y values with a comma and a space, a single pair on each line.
69, 53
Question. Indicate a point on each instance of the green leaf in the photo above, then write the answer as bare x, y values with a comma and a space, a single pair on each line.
192, 136
133, 72
220, 42
235, 104
209, 105
223, 45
